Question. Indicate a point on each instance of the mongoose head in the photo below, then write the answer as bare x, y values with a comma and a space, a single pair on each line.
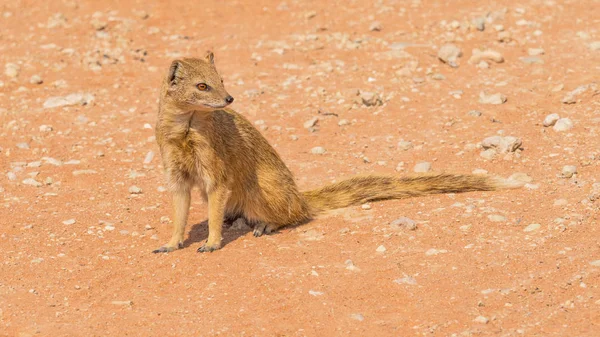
194, 84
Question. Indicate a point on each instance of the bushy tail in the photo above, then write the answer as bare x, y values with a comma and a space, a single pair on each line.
359, 190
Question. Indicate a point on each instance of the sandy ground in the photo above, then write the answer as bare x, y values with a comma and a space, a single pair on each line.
76, 243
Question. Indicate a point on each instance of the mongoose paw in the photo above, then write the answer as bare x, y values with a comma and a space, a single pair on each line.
163, 249
206, 248
263, 228
167, 249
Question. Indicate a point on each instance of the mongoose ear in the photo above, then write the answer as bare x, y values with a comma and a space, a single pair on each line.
210, 57
174, 72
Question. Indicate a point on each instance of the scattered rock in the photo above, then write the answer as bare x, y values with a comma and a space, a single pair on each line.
422, 167
449, 54
571, 97
81, 172
406, 280
532, 227
495, 99
370, 98
45, 128
129, 303
496, 218
404, 221
474, 113
315, 293
405, 145
69, 222
36, 79
550, 120
485, 55
531, 60
31, 182
433, 251
502, 144
357, 317
311, 123
380, 249
568, 171
481, 319
479, 23
350, 266
317, 150
11, 70
375, 26
149, 157
365, 206
72, 99
135, 190
563, 124
535, 51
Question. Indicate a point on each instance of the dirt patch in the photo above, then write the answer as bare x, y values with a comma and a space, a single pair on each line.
83, 204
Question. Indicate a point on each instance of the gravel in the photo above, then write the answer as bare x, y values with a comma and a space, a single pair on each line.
422, 167
550, 120
494, 99
449, 54
404, 221
563, 124
568, 171
318, 150
135, 190
72, 99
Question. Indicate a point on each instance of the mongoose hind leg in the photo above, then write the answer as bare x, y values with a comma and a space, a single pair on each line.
264, 228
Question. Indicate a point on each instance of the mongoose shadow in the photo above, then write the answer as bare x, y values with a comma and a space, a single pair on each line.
199, 232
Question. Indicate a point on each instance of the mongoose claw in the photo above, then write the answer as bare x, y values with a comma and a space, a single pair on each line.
263, 228
163, 249
207, 249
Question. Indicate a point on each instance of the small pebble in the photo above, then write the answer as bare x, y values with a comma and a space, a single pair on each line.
481, 319
318, 150
404, 221
532, 227
135, 190
563, 124
449, 54
405, 145
36, 79
550, 120
365, 206
496, 218
422, 167
568, 171
31, 182
535, 51
375, 26
69, 222
493, 99
357, 317
380, 249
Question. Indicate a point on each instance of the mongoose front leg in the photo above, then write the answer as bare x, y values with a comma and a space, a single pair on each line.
217, 200
181, 207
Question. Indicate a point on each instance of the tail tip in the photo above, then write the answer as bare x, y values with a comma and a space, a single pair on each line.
505, 183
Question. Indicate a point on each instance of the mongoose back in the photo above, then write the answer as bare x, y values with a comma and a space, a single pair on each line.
206, 145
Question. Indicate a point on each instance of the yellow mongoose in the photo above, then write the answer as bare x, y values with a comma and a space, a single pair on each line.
204, 144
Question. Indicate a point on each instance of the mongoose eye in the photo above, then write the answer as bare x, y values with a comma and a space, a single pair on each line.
202, 86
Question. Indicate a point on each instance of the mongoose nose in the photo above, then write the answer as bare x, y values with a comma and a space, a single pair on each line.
228, 99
